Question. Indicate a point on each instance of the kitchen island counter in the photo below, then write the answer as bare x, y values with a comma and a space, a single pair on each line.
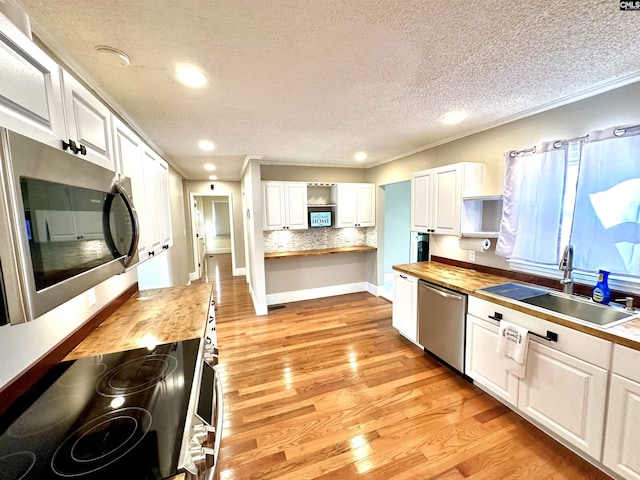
470, 282
155, 316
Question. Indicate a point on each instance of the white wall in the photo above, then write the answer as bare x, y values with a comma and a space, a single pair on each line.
252, 204
617, 107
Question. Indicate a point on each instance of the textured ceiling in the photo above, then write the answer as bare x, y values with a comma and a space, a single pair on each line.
312, 82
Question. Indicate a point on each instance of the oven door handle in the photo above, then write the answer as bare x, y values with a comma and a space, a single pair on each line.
119, 190
219, 422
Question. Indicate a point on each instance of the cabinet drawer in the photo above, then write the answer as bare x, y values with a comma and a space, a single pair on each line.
572, 342
625, 362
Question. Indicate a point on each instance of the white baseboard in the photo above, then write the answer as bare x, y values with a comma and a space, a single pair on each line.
193, 276
213, 251
238, 272
375, 290
260, 308
311, 293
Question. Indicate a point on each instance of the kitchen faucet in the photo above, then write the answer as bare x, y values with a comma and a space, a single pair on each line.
566, 265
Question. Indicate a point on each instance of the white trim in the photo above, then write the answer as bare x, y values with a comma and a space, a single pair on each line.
375, 290
237, 272
260, 308
193, 276
321, 292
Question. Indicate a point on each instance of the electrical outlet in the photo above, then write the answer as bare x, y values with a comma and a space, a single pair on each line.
472, 255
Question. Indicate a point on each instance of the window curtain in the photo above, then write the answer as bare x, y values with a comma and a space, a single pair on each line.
606, 223
532, 207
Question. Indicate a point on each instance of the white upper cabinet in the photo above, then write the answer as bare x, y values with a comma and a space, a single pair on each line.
30, 90
356, 204
153, 201
436, 196
165, 205
88, 123
284, 206
128, 149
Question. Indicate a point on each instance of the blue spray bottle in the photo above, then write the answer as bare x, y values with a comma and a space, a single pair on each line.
601, 292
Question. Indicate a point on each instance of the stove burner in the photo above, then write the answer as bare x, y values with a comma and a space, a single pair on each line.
136, 375
101, 442
44, 415
16, 466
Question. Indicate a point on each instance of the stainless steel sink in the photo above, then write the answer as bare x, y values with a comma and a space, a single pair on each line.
580, 309
576, 308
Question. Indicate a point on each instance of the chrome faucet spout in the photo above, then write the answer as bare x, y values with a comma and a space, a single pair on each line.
566, 265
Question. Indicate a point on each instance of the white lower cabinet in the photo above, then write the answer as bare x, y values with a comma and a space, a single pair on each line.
404, 317
565, 394
564, 389
622, 440
484, 364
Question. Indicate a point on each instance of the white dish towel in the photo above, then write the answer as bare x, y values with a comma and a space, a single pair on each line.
513, 344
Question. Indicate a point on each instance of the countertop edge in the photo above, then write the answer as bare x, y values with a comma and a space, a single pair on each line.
318, 251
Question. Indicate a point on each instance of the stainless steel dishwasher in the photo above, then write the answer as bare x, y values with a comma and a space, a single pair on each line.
441, 323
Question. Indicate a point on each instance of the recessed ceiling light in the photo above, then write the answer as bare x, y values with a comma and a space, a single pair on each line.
212, 177
190, 76
206, 145
360, 156
112, 56
210, 167
454, 117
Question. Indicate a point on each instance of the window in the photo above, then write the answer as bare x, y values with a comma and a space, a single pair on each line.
599, 215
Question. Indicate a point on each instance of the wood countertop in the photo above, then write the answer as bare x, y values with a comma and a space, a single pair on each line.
470, 281
150, 316
318, 251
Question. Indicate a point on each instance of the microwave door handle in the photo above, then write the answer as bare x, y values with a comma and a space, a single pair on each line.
128, 201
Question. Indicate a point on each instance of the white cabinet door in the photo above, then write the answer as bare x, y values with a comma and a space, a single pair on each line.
30, 89
566, 395
165, 205
273, 205
447, 199
421, 203
366, 205
128, 156
151, 166
405, 305
346, 201
622, 441
88, 122
484, 364
295, 202
356, 205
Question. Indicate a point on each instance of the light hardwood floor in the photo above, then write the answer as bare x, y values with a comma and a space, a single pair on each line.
328, 389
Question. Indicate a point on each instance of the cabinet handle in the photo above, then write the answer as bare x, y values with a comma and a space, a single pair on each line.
403, 276
82, 150
70, 145
550, 337
496, 316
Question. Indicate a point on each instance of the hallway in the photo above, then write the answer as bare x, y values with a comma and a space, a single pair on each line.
328, 389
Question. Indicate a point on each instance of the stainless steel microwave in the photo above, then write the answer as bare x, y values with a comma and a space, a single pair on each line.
66, 225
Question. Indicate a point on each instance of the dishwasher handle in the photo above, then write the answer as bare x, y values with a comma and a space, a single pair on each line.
437, 291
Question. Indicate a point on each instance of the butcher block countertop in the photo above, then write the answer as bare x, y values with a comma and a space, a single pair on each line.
156, 316
470, 281
318, 251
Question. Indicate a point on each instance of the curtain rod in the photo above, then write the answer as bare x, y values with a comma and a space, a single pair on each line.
618, 132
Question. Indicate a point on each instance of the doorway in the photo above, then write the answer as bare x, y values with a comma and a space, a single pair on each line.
397, 230
212, 227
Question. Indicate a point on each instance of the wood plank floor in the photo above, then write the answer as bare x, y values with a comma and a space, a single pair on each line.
328, 389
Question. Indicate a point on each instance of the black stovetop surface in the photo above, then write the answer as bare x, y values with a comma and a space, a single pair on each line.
119, 415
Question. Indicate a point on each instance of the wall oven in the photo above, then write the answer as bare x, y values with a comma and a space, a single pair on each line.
67, 225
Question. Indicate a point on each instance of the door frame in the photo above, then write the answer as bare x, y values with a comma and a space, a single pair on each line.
192, 198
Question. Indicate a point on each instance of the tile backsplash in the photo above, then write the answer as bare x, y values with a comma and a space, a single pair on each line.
314, 238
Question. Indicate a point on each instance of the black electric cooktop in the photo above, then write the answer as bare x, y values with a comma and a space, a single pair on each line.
113, 416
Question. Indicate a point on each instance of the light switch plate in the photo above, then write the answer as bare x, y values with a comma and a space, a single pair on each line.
472, 255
